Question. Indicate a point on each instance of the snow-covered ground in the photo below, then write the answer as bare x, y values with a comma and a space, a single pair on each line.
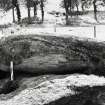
49, 25
86, 32
51, 90
59, 87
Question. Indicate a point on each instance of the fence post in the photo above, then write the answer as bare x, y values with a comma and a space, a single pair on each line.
55, 24
11, 71
94, 31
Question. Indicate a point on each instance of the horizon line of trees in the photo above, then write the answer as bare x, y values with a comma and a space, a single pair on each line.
14, 4
68, 5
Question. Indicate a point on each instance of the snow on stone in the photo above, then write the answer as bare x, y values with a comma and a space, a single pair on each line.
53, 89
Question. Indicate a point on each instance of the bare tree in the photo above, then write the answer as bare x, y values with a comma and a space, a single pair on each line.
66, 6
16, 5
28, 9
13, 14
35, 8
95, 9
69, 5
95, 3
11, 4
34, 4
42, 9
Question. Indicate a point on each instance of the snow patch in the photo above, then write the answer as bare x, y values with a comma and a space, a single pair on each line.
53, 89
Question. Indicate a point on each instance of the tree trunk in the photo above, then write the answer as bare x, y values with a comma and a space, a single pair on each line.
82, 6
29, 15
67, 11
67, 18
16, 5
77, 9
28, 10
18, 13
70, 8
42, 10
95, 10
35, 10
